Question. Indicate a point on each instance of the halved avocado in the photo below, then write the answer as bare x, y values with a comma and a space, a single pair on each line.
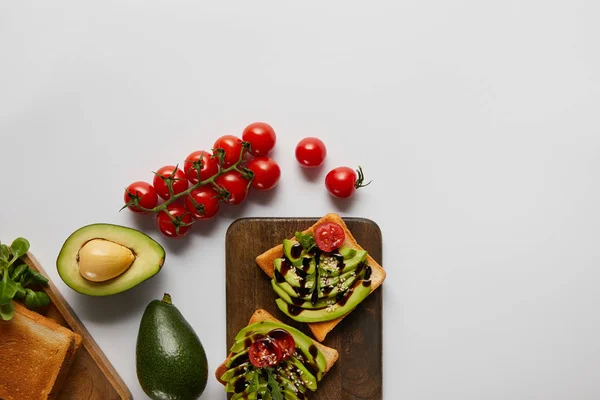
116, 259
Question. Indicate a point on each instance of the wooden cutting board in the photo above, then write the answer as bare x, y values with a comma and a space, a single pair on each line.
91, 376
358, 372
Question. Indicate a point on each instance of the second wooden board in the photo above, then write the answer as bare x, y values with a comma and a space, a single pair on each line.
358, 372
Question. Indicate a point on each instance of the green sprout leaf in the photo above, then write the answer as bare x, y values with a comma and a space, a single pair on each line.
19, 247
36, 299
4, 252
36, 277
307, 240
7, 311
18, 271
254, 383
21, 293
274, 386
8, 289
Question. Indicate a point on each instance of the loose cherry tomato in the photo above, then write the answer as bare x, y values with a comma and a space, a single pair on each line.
261, 137
266, 172
203, 202
210, 166
329, 236
264, 352
311, 152
145, 194
285, 341
174, 228
343, 181
232, 146
236, 186
175, 176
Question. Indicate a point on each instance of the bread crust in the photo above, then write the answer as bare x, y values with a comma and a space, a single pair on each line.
378, 274
45, 350
331, 355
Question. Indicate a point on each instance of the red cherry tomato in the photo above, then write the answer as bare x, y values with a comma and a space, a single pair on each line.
329, 236
174, 228
236, 186
175, 175
261, 137
210, 166
266, 172
343, 181
311, 152
264, 352
145, 194
203, 202
285, 341
232, 146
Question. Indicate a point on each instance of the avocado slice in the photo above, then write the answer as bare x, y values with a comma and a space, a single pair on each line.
359, 291
170, 360
329, 265
241, 383
238, 359
235, 371
148, 257
293, 251
294, 366
295, 276
286, 384
251, 395
306, 303
328, 288
245, 342
305, 346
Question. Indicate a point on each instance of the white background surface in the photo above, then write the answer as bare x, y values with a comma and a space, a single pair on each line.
478, 122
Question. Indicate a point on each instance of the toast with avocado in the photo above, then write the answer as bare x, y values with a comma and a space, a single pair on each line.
321, 274
270, 360
35, 355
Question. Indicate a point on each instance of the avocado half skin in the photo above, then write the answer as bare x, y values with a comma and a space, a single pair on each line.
171, 363
150, 257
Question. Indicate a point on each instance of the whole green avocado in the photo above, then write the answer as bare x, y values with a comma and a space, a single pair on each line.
170, 359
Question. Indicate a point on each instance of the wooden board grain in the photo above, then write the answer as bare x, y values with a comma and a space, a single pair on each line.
358, 372
91, 376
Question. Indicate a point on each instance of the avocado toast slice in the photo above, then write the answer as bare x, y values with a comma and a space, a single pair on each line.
311, 357
266, 262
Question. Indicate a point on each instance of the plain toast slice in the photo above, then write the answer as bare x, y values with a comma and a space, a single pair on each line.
35, 355
265, 262
331, 355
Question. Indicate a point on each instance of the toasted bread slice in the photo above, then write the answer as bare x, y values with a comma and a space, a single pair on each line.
35, 355
331, 355
265, 262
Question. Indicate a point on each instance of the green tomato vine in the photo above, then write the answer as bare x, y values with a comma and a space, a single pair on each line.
197, 165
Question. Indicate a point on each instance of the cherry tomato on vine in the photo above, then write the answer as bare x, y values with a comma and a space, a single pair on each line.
343, 181
329, 236
210, 166
264, 352
174, 228
285, 341
261, 137
203, 202
232, 146
145, 194
266, 172
236, 186
175, 176
311, 152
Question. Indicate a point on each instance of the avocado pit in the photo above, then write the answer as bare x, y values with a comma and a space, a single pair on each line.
101, 260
